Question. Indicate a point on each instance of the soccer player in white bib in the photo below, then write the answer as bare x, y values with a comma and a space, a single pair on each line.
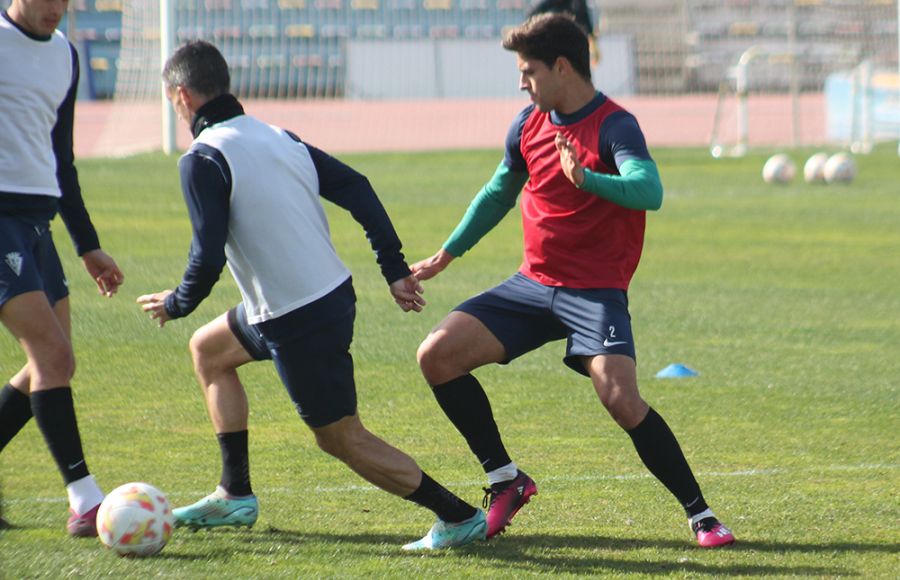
38, 82
253, 194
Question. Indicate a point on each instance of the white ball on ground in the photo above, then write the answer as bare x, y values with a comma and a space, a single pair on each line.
779, 169
135, 520
814, 169
840, 168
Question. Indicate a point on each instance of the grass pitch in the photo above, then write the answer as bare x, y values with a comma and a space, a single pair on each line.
785, 299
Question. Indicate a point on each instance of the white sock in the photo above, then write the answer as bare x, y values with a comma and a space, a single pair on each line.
707, 513
221, 492
84, 495
505, 473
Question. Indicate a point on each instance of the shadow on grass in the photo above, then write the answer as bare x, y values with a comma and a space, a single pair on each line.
532, 553
552, 554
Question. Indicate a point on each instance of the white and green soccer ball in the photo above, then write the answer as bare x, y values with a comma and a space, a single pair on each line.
135, 520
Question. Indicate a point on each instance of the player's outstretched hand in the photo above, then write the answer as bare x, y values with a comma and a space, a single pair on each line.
104, 271
407, 293
155, 305
431, 267
568, 158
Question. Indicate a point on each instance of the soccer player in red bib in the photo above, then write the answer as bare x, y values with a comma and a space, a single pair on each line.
588, 182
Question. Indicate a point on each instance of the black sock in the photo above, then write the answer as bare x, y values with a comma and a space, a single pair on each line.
660, 452
432, 495
15, 412
54, 412
466, 405
235, 462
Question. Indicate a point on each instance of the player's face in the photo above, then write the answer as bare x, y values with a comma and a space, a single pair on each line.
181, 109
39, 17
540, 82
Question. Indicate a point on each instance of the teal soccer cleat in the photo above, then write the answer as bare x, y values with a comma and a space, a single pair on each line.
218, 509
446, 535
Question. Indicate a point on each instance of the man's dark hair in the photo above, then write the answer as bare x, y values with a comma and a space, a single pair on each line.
200, 67
546, 37
577, 8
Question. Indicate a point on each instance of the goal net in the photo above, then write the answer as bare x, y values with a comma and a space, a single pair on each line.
740, 72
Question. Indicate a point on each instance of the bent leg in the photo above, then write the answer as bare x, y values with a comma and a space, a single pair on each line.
369, 456
389, 468
15, 404
217, 353
459, 344
615, 380
15, 409
43, 332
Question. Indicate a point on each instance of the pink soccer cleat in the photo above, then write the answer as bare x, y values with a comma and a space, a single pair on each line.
85, 525
711, 533
504, 500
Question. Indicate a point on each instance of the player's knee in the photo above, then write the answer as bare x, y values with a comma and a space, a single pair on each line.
67, 364
434, 362
201, 353
341, 440
623, 402
626, 410
335, 444
55, 366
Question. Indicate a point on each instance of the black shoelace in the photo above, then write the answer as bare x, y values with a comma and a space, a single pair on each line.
705, 525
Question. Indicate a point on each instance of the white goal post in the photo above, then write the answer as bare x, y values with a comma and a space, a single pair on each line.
846, 51
167, 46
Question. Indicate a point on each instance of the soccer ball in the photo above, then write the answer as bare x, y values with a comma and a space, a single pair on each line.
840, 168
779, 169
814, 169
135, 520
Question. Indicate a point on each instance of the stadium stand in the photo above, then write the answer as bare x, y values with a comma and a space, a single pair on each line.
687, 46
285, 48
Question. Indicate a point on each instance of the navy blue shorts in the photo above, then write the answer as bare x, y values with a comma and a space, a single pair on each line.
310, 347
524, 315
247, 334
28, 260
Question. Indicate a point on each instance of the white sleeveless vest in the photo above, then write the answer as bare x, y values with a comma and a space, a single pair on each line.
279, 246
35, 76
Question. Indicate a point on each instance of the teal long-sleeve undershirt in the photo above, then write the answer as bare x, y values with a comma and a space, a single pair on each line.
637, 187
494, 201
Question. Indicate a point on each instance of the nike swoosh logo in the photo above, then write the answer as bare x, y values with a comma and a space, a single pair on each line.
74, 465
608, 344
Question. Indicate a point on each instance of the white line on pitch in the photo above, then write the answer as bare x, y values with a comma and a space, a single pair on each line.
562, 478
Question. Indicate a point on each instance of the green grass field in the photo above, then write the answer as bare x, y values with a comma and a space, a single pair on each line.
785, 299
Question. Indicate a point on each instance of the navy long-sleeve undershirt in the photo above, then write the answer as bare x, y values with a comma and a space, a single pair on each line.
206, 183
71, 204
